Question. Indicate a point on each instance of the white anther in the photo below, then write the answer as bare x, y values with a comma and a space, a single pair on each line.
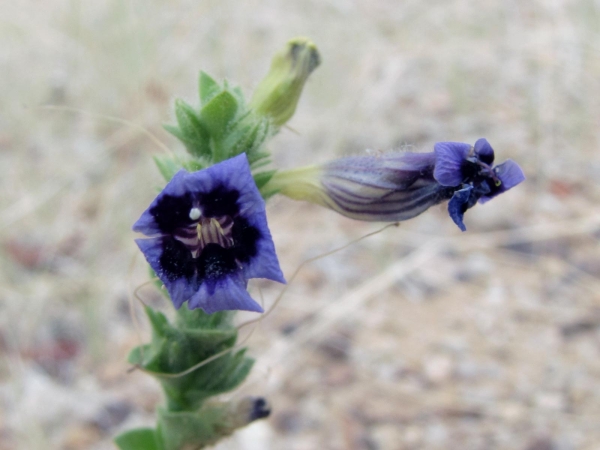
195, 213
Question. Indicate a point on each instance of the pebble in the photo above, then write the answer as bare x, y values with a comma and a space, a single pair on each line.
438, 369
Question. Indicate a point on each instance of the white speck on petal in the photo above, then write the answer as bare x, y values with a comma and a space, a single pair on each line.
195, 213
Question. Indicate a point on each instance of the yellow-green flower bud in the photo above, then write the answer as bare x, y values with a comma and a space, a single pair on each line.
277, 94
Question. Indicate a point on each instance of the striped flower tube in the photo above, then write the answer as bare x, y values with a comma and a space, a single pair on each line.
399, 186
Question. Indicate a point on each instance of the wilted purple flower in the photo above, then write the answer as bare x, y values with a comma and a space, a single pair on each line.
208, 235
470, 171
398, 186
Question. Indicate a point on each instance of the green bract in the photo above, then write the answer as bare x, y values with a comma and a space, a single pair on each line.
221, 128
176, 347
187, 418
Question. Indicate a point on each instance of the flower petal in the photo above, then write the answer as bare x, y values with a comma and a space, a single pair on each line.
264, 262
169, 210
232, 175
170, 262
458, 204
449, 159
510, 174
224, 294
484, 151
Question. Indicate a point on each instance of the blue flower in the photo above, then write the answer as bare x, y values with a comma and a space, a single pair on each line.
208, 235
470, 171
399, 186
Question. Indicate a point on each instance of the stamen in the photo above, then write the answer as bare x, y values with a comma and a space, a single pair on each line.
207, 230
210, 232
195, 213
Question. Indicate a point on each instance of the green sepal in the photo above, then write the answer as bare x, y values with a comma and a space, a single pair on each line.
263, 178
193, 338
239, 95
191, 131
198, 319
217, 377
192, 165
223, 127
139, 439
218, 113
175, 131
207, 87
167, 166
207, 425
248, 136
158, 321
170, 165
156, 281
193, 430
258, 159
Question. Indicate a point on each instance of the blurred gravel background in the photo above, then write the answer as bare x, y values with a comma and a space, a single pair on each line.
420, 337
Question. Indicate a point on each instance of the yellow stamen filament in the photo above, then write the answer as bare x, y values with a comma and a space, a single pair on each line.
210, 232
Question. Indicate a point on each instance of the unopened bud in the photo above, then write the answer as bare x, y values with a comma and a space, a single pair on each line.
278, 93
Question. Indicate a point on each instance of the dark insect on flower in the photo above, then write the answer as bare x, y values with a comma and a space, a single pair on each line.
470, 171
208, 235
